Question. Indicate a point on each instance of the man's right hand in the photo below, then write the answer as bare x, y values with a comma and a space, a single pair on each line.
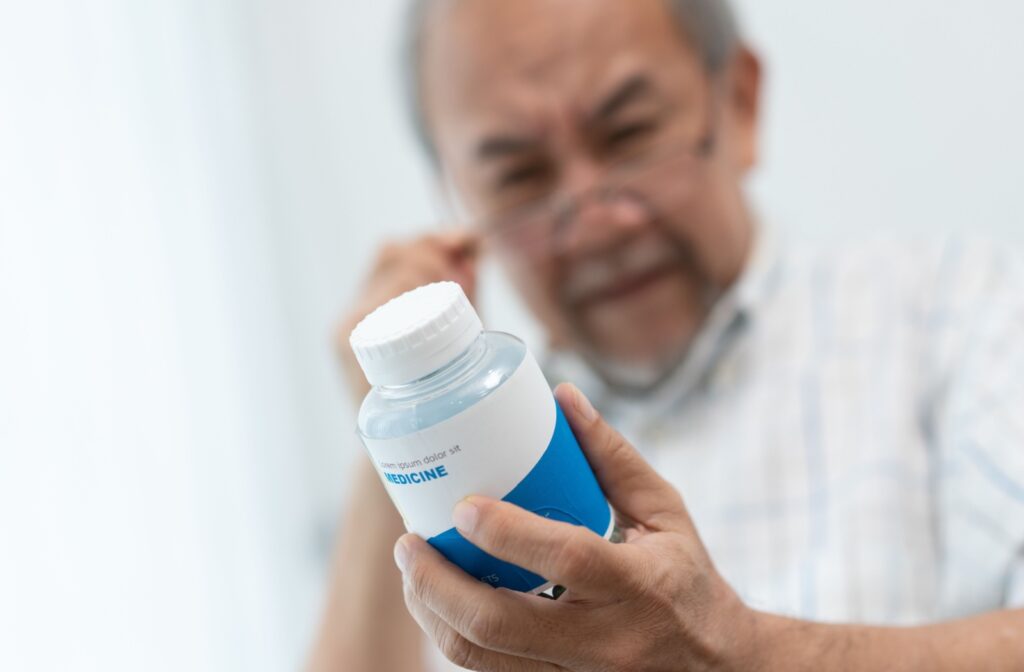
398, 268
366, 626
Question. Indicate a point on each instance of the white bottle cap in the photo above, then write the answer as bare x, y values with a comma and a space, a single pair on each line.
415, 334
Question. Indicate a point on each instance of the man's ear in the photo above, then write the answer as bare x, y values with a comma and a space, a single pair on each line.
745, 75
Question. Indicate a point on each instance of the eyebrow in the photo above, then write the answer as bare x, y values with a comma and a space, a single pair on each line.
498, 146
635, 87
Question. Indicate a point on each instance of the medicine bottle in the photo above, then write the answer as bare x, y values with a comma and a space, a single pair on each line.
456, 411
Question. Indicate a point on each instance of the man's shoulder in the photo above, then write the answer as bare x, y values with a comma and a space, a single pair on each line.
947, 269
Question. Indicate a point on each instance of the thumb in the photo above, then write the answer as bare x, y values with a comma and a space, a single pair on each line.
463, 251
633, 487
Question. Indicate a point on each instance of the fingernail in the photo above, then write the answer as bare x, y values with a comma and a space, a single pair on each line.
401, 554
583, 405
465, 515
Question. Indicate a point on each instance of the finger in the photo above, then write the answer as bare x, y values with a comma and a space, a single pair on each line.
429, 259
465, 653
424, 261
632, 486
499, 620
460, 243
461, 249
569, 555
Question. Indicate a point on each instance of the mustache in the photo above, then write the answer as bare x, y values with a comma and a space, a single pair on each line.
591, 278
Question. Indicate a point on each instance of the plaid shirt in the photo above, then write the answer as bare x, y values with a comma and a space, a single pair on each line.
848, 430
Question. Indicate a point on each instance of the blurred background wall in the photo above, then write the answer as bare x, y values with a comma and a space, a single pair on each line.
189, 193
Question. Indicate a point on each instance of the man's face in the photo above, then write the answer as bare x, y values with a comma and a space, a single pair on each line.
602, 162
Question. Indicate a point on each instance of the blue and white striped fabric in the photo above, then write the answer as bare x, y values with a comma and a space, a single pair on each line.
848, 431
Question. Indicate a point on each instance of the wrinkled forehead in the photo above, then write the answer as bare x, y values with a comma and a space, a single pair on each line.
524, 66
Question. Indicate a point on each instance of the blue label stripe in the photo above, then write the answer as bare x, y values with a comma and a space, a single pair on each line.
561, 486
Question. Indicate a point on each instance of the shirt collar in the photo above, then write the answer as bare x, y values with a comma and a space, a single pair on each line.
730, 318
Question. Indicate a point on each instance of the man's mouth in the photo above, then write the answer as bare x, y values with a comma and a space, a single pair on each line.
624, 274
625, 287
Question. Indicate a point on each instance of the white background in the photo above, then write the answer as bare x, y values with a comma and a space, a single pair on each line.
189, 192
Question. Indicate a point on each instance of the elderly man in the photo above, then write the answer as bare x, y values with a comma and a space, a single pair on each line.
847, 428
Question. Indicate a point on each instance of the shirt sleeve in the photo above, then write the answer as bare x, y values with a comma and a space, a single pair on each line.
978, 426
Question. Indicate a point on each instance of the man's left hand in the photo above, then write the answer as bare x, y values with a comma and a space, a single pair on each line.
654, 602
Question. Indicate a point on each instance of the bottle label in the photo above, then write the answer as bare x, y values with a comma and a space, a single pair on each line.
514, 445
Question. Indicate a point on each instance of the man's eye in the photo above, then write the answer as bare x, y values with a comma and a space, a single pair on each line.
627, 133
524, 176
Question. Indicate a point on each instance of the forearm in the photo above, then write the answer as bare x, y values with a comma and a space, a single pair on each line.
366, 626
993, 642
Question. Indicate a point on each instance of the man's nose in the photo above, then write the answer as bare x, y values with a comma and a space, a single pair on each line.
597, 215
581, 176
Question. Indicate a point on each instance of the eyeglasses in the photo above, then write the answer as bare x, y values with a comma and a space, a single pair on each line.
662, 175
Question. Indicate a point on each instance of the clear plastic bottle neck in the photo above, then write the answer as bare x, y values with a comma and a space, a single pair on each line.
452, 373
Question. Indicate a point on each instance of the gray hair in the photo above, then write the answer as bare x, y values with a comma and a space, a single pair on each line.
710, 26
